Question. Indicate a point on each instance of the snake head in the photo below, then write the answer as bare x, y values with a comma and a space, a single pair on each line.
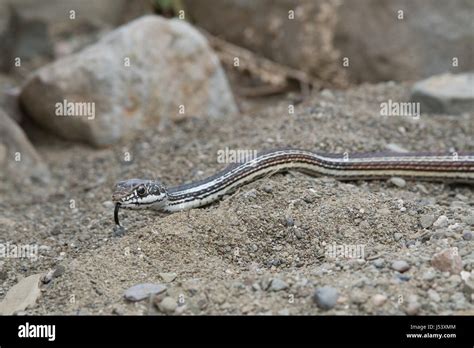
140, 194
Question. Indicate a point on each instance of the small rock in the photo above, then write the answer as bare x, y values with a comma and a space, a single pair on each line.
168, 277
447, 260
412, 308
400, 266
379, 299
168, 305
469, 219
56, 230
326, 297
256, 287
468, 289
289, 222
379, 263
395, 147
108, 204
358, 297
267, 188
428, 275
399, 182
22, 295
142, 291
383, 211
285, 311
265, 283
467, 235
445, 93
397, 236
427, 220
59, 271
3, 275
277, 285
442, 221
433, 295
84, 237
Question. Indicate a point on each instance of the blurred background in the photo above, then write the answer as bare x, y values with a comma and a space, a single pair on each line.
97, 91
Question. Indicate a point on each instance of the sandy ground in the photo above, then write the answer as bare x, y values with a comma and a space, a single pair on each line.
263, 249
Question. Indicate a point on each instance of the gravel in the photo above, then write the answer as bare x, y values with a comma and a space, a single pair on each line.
232, 241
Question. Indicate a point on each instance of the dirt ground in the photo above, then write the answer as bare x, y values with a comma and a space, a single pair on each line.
261, 250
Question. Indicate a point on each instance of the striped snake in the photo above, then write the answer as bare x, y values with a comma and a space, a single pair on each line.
148, 194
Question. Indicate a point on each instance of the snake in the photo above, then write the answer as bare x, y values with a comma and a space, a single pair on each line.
152, 194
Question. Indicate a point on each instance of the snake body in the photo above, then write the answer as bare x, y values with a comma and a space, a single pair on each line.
148, 194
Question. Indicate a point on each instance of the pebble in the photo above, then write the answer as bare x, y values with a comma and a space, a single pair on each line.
22, 295
84, 237
397, 236
379, 263
400, 266
277, 285
358, 297
467, 235
433, 295
427, 220
298, 233
108, 204
267, 188
428, 275
379, 300
399, 182
3, 275
168, 305
403, 277
468, 289
265, 283
395, 147
168, 277
59, 271
284, 311
326, 297
289, 222
442, 221
142, 291
469, 220
56, 230
412, 308
447, 260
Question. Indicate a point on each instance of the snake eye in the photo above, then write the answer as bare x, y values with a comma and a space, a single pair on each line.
141, 191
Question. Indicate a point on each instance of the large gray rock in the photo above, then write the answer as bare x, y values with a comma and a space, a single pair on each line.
447, 93
9, 93
379, 46
382, 47
171, 69
7, 31
18, 159
37, 31
304, 42
57, 12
